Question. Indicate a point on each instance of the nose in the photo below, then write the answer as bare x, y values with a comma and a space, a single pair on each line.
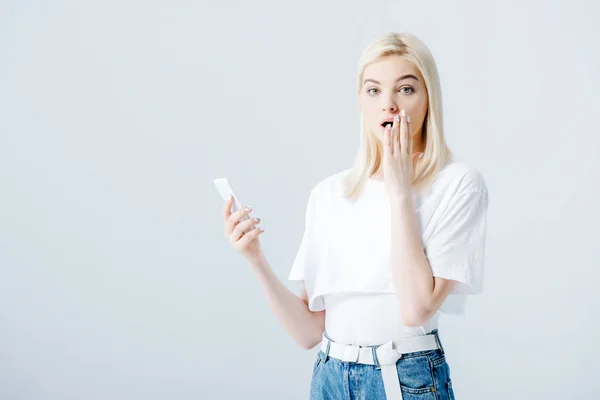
390, 105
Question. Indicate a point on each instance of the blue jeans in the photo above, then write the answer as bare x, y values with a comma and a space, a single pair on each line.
423, 375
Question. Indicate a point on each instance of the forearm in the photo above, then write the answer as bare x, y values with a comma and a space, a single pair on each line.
410, 269
305, 327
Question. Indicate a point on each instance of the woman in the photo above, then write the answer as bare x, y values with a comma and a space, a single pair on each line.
388, 245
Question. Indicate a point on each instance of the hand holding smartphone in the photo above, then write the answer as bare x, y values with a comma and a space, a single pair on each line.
226, 190
242, 232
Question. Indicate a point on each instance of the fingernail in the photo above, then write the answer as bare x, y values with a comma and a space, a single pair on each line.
408, 119
229, 198
248, 208
404, 113
256, 219
398, 117
421, 155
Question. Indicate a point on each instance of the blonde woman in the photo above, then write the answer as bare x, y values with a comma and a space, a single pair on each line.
389, 244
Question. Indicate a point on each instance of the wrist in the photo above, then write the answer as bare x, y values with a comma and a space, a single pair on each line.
262, 270
260, 262
401, 201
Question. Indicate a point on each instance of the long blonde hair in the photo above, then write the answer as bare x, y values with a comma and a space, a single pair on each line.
370, 153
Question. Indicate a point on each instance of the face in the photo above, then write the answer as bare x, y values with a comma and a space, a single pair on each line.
389, 86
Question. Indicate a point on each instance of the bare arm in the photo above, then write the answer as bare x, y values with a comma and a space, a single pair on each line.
305, 327
420, 293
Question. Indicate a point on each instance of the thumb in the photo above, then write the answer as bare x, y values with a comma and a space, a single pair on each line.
417, 156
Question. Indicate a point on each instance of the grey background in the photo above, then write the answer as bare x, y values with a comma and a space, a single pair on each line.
115, 279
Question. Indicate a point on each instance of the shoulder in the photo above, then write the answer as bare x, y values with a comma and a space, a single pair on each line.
332, 183
326, 190
458, 176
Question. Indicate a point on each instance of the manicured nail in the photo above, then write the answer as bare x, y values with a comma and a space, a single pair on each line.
421, 155
404, 113
398, 117
408, 119
229, 198
248, 208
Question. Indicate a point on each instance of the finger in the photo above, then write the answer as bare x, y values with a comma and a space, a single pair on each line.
415, 158
248, 237
234, 218
227, 207
386, 141
243, 227
391, 139
404, 135
396, 142
409, 135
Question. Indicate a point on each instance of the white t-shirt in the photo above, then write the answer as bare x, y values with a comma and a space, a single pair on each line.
344, 256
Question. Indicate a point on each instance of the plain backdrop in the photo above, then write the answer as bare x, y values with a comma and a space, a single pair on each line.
116, 281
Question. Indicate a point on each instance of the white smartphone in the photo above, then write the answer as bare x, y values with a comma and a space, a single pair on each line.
225, 190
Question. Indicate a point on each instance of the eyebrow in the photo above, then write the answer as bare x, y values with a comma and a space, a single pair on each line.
408, 76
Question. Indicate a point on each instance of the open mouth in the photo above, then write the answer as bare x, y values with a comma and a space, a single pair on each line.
385, 124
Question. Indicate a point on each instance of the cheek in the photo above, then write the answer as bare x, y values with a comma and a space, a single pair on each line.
424, 104
419, 109
417, 104
371, 116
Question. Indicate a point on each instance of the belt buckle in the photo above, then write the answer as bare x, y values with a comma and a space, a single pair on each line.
351, 353
388, 354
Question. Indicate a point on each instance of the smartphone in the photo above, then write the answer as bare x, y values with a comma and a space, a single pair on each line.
226, 190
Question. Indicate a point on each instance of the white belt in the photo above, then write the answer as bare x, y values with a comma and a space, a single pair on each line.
385, 356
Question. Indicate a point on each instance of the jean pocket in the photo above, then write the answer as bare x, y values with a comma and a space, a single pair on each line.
415, 375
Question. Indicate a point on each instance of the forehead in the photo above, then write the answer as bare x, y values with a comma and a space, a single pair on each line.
389, 68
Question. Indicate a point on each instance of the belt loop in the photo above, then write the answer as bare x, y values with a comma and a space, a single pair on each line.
375, 359
437, 339
328, 346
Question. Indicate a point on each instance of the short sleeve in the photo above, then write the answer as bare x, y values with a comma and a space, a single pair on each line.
306, 254
456, 249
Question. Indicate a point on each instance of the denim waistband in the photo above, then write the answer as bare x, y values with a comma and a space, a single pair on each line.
434, 332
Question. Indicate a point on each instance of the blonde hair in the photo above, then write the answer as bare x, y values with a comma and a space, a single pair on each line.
370, 153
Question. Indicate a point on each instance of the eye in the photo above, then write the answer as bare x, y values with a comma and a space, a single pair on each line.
370, 91
409, 88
